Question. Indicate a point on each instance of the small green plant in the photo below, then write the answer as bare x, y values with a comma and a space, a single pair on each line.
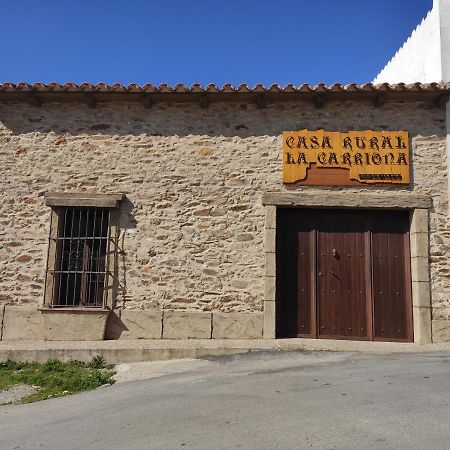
55, 378
98, 362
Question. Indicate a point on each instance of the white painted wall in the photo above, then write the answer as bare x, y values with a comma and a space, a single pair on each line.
419, 59
444, 18
425, 57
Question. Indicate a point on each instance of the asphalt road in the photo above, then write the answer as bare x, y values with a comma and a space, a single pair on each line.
256, 401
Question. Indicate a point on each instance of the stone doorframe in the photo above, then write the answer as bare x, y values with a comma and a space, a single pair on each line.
417, 204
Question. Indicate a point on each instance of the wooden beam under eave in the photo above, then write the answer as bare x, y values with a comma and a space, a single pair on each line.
320, 100
261, 101
203, 100
380, 100
90, 100
146, 101
442, 99
33, 99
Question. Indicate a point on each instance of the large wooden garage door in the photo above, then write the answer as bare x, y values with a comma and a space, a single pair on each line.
343, 275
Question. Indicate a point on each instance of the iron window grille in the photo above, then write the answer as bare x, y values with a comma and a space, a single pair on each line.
78, 266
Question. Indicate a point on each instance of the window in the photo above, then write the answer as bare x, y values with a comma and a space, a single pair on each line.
81, 252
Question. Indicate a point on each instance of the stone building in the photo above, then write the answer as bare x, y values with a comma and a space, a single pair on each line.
165, 212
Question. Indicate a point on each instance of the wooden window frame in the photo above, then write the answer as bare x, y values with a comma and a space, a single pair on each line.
59, 202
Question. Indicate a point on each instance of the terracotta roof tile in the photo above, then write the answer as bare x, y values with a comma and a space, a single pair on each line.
102, 91
133, 87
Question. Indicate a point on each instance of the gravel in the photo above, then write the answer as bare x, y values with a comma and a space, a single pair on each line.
16, 393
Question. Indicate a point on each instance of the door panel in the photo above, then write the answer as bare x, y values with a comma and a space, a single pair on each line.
391, 291
295, 274
343, 274
341, 281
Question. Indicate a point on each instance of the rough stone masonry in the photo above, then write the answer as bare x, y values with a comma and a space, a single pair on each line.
192, 224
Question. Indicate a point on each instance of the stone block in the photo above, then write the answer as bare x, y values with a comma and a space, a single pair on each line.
186, 325
269, 320
348, 199
271, 217
74, 326
421, 294
114, 326
441, 330
419, 245
422, 325
237, 325
419, 221
270, 265
269, 240
141, 324
269, 289
420, 269
22, 322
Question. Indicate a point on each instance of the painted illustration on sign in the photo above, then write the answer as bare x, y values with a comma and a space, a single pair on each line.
351, 157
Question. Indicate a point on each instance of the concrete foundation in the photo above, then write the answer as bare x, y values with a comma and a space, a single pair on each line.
123, 351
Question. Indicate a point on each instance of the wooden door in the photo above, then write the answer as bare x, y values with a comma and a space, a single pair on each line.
392, 312
296, 245
343, 274
342, 288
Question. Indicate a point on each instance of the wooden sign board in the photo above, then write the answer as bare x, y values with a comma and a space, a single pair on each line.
345, 158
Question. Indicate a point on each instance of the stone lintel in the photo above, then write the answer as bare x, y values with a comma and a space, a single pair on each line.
346, 199
83, 199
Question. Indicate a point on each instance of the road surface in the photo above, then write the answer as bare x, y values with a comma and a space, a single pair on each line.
268, 400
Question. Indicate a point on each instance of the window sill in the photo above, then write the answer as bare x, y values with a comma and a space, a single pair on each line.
82, 310
80, 199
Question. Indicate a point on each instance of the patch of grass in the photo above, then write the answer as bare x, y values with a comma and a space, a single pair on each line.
56, 378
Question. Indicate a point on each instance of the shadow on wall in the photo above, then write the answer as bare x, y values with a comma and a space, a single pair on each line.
228, 119
114, 327
127, 221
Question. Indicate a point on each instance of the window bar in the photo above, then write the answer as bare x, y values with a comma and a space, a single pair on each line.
98, 238
77, 249
91, 268
85, 265
80, 270
48, 256
57, 298
98, 259
107, 271
73, 271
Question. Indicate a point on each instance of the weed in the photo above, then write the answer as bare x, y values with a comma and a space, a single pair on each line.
56, 378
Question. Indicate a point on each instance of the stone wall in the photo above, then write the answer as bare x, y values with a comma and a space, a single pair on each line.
192, 225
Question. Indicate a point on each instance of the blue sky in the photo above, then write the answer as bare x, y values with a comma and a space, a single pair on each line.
218, 41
